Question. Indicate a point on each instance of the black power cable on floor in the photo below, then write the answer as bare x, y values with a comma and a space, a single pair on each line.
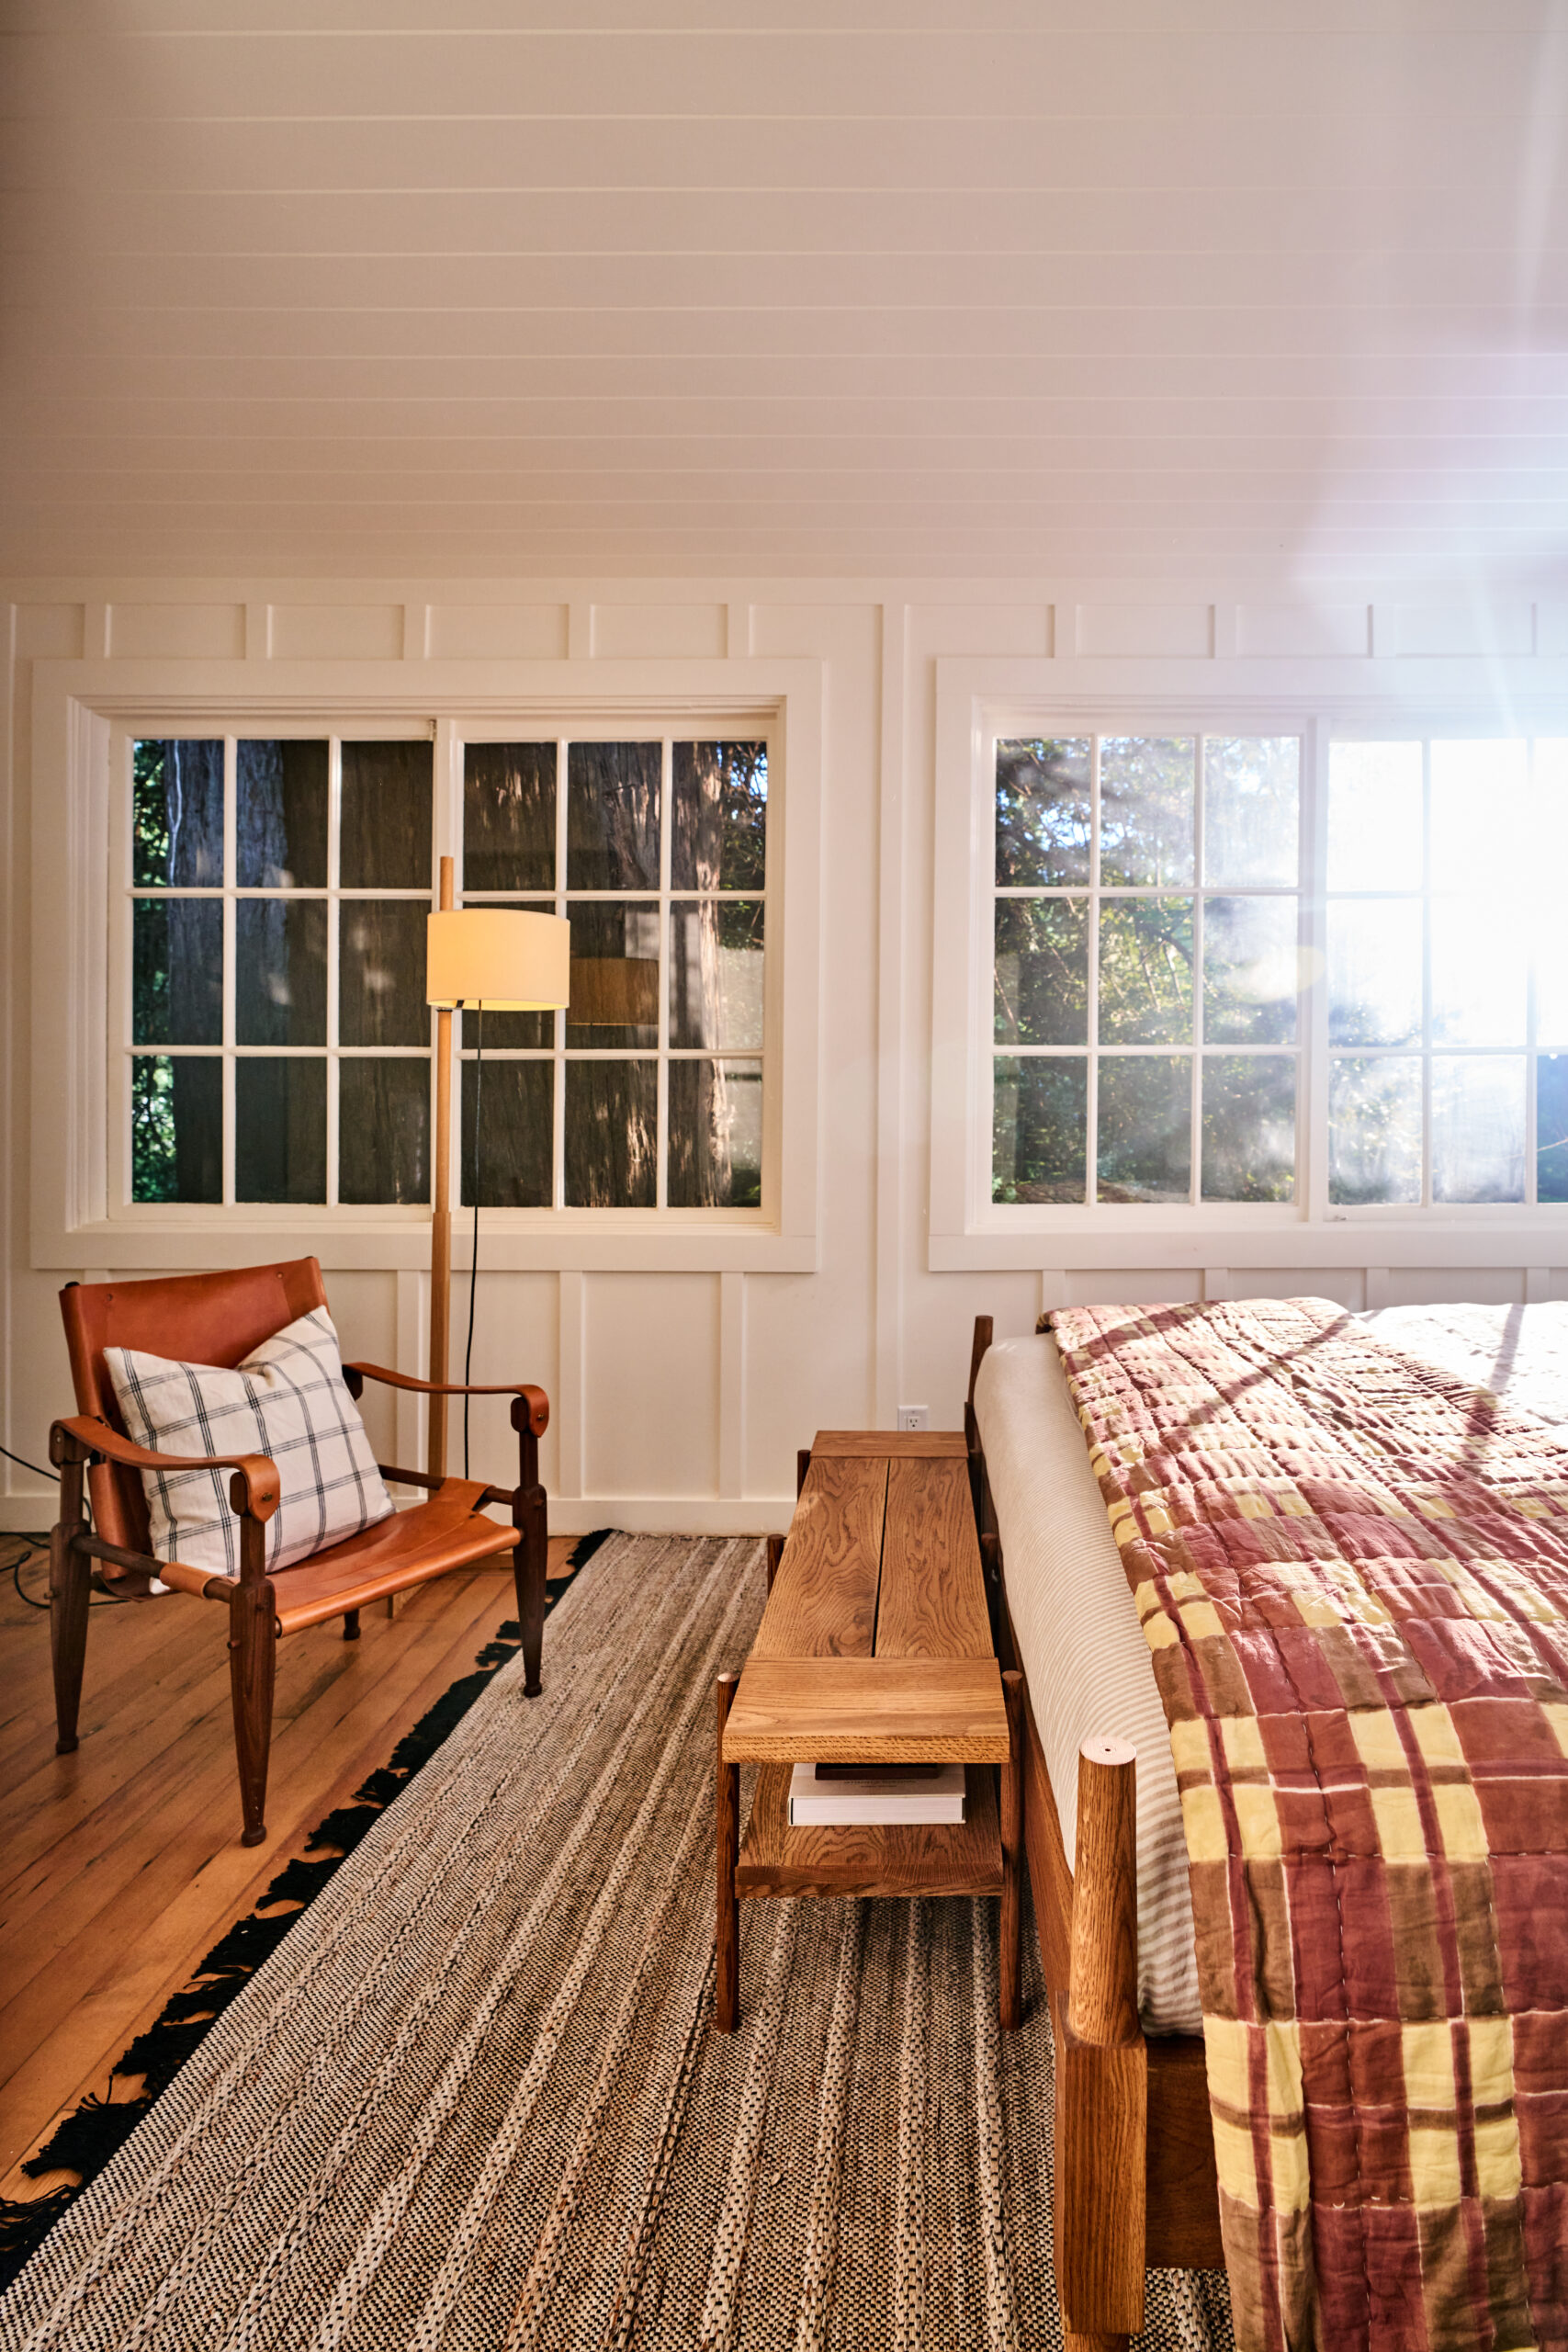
25, 1535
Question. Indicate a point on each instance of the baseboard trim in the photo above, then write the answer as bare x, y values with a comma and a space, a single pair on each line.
569, 1514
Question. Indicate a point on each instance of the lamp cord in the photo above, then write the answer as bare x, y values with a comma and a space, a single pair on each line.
474, 1270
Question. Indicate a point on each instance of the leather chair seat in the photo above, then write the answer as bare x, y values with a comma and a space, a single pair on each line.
449, 1532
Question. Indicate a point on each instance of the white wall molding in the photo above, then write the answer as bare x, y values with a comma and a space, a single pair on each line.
732, 1384
891, 1090
780, 1331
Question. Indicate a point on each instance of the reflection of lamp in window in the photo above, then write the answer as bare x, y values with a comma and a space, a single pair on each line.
614, 992
510, 961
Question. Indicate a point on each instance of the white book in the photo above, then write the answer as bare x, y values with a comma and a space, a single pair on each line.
874, 1798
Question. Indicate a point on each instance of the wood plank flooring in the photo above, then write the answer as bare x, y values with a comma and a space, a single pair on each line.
121, 1866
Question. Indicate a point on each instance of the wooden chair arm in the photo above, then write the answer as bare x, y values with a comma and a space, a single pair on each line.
254, 1490
539, 1404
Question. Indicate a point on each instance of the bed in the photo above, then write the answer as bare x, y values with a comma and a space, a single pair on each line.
1136, 2164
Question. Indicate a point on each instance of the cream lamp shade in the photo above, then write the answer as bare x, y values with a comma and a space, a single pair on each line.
501, 957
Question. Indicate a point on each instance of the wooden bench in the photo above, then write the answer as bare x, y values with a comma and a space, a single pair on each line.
874, 1647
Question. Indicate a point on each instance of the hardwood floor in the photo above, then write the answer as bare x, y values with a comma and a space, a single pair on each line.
121, 1865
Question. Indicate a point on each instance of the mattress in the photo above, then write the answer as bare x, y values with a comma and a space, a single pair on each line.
1079, 1638
1081, 1648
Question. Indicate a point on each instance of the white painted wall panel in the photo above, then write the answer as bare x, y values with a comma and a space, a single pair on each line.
497, 632
192, 632
1147, 632
651, 1379
516, 1337
1345, 1284
328, 632
633, 632
1437, 1285
1490, 625
48, 633
364, 1308
1302, 632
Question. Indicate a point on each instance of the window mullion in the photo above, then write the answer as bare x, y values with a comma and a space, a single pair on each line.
1313, 935
1195, 1184
231, 925
662, 1115
334, 911
557, 1019
1091, 1091
1532, 933
1426, 974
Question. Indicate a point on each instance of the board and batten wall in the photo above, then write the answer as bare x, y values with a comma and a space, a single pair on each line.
679, 1397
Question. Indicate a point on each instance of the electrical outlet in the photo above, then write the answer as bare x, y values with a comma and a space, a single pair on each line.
914, 1417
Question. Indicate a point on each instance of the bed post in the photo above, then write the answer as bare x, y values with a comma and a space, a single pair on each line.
1101, 2067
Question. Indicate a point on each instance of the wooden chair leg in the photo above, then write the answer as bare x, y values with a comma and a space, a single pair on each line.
1010, 1954
70, 1588
252, 1658
351, 1624
530, 1557
775, 1554
727, 1812
531, 1552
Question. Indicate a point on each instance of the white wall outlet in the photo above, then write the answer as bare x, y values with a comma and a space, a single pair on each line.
914, 1417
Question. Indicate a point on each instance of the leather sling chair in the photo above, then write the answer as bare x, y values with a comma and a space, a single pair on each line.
218, 1320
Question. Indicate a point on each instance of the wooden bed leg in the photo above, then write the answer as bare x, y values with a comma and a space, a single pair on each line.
1102, 2067
726, 1810
1009, 1956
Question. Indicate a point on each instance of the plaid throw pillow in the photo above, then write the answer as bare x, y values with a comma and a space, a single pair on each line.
288, 1401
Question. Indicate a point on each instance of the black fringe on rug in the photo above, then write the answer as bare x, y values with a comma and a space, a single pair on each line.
88, 2139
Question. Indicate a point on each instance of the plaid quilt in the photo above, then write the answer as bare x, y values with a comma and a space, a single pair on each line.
1352, 1572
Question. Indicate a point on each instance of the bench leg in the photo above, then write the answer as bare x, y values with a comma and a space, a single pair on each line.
1011, 1955
726, 1809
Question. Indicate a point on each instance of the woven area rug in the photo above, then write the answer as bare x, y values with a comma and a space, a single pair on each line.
474, 2098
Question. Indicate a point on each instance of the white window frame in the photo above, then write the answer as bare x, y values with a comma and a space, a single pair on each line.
977, 702
81, 1216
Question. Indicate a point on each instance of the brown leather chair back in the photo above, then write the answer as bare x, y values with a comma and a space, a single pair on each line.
194, 1319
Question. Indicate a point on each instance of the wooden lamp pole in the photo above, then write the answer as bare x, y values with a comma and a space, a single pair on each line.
441, 1224
514, 961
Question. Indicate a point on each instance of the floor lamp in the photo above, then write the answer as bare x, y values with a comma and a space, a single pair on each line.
498, 959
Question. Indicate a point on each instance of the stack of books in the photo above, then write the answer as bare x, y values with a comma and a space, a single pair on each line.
826, 1796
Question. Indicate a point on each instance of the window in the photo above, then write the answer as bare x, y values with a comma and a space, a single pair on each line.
279, 1044
1448, 972
647, 1092
1242, 974
1146, 914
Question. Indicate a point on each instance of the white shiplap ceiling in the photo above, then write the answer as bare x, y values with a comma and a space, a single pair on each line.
459, 286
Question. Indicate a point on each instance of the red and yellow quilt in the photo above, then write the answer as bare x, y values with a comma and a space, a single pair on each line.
1352, 1572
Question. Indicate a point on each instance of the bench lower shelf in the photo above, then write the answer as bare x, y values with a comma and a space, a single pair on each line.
898, 1859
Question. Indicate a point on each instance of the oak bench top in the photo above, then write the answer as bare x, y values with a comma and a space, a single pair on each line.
875, 1645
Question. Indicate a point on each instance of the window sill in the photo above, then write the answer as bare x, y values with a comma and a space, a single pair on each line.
1272, 1240
510, 1242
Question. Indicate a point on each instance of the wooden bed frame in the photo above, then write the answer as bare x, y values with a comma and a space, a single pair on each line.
1136, 2182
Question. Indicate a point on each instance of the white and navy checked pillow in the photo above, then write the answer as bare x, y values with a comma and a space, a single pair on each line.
288, 1401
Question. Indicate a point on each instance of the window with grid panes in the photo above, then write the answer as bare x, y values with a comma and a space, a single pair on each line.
1147, 1034
647, 1092
279, 1042
1448, 972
